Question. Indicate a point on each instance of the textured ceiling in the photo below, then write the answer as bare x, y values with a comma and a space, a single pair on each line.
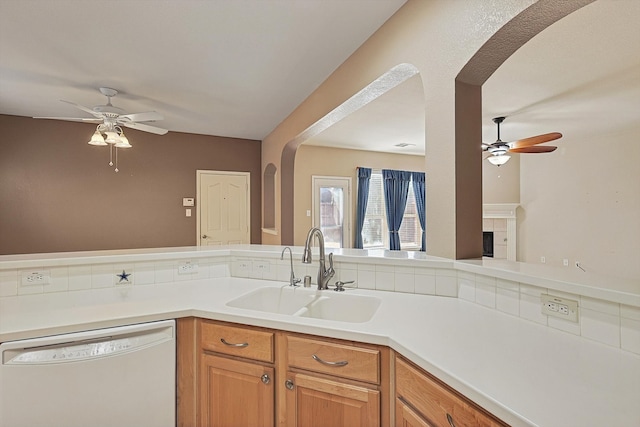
579, 76
225, 67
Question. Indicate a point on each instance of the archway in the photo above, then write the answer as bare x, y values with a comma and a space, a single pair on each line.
384, 83
468, 113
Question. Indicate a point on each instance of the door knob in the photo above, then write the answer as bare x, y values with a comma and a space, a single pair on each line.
204, 236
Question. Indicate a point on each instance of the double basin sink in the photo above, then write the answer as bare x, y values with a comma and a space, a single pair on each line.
301, 302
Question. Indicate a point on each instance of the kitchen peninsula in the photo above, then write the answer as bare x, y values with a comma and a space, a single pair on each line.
472, 325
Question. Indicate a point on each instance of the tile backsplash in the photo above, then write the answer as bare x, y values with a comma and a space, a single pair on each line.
613, 324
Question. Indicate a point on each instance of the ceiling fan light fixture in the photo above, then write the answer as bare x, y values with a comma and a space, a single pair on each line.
499, 160
97, 139
112, 137
124, 142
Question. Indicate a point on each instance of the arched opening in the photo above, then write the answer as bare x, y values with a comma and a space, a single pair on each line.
381, 85
468, 114
269, 197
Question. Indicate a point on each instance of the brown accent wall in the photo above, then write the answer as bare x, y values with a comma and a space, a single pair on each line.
57, 193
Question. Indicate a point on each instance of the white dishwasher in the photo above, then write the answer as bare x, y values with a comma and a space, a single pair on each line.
122, 376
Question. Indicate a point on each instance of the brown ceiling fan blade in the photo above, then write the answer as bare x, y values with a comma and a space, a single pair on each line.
539, 149
535, 140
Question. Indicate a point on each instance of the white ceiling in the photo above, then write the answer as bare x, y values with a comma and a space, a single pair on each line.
239, 67
580, 76
219, 67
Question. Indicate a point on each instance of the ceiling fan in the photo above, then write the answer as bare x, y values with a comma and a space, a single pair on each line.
110, 120
499, 149
112, 116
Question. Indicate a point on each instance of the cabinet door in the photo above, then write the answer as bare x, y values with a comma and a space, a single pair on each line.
319, 402
407, 417
235, 393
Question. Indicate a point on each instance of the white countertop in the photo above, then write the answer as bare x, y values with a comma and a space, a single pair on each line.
524, 373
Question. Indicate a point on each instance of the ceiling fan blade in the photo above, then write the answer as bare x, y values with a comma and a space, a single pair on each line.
72, 119
145, 128
535, 140
540, 149
149, 116
83, 108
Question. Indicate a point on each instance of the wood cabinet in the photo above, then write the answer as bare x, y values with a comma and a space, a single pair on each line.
235, 393
236, 375
330, 383
422, 400
322, 402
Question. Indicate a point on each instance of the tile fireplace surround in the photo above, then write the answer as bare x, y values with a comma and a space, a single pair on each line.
500, 218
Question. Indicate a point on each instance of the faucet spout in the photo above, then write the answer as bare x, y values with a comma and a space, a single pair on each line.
324, 274
293, 281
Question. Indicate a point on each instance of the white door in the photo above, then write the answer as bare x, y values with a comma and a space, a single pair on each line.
223, 213
332, 209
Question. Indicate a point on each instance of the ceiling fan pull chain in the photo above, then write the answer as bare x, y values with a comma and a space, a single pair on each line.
110, 155
116, 170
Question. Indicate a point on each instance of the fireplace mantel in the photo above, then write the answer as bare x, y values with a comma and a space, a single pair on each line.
508, 212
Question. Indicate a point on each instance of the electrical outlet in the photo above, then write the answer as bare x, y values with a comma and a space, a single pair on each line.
262, 266
559, 307
187, 267
38, 277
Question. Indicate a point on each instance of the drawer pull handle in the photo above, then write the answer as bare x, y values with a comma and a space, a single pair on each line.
324, 362
243, 344
288, 384
450, 421
265, 379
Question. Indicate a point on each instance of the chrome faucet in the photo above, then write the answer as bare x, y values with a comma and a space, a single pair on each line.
324, 274
293, 281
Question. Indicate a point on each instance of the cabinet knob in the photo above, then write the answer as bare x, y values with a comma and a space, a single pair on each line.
288, 384
265, 379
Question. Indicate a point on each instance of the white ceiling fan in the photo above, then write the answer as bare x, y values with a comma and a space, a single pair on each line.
111, 116
110, 120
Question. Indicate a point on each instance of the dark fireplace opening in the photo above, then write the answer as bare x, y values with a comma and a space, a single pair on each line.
487, 243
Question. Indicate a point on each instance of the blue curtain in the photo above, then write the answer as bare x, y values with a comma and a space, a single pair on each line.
418, 190
364, 176
396, 189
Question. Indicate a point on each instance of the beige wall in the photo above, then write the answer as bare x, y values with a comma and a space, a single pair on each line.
583, 204
313, 160
439, 38
501, 184
57, 193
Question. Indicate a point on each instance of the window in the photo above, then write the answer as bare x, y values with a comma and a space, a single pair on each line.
375, 232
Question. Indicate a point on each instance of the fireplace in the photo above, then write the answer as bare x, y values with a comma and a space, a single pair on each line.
500, 221
487, 243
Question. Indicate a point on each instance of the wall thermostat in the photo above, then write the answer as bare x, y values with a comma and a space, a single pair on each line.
187, 201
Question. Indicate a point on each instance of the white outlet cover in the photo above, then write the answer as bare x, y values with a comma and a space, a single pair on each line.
187, 267
35, 277
561, 308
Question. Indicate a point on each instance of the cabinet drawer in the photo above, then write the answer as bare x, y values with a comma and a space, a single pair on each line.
435, 402
237, 341
340, 360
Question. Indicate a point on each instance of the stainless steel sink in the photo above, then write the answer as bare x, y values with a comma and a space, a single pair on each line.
315, 304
